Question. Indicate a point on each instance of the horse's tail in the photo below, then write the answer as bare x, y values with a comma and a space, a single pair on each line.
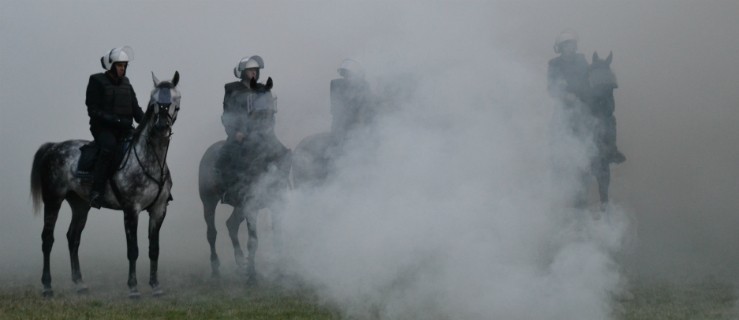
36, 175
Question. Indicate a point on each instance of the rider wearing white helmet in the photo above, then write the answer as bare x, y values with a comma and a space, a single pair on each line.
350, 100
568, 73
238, 96
238, 105
112, 107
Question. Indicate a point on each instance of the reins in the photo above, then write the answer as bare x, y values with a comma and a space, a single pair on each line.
162, 165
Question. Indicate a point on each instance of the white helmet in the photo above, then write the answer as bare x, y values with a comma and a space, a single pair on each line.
567, 35
247, 63
350, 67
121, 54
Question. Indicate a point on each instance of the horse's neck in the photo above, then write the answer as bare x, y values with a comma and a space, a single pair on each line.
606, 96
602, 102
148, 148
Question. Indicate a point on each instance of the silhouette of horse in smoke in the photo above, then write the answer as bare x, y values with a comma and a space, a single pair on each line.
265, 164
602, 104
142, 182
312, 160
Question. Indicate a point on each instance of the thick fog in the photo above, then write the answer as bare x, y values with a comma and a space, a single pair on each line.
448, 205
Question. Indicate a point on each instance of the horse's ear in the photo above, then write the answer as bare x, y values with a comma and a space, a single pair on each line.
610, 58
269, 84
595, 56
176, 78
153, 77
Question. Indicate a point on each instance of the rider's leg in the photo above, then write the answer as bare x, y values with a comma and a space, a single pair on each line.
106, 142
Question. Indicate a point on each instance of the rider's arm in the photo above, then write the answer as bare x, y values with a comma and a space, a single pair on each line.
94, 97
229, 118
555, 85
138, 114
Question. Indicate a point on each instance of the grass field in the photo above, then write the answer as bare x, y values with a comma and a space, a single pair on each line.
662, 301
202, 298
198, 300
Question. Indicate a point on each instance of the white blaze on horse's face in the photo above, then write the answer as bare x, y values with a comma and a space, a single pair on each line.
165, 101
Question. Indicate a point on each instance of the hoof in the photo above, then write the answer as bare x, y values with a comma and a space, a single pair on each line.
47, 293
134, 294
157, 291
82, 288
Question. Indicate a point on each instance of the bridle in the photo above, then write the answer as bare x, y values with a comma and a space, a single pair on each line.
162, 107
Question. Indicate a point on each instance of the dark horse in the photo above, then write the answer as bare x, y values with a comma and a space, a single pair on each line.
312, 159
602, 83
265, 163
142, 182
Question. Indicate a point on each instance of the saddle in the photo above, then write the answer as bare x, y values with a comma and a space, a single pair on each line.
88, 156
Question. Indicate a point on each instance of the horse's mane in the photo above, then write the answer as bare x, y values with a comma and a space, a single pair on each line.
147, 116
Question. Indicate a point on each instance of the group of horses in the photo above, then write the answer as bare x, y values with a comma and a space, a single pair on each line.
142, 182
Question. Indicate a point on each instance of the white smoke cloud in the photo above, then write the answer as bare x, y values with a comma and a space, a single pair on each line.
447, 206
475, 180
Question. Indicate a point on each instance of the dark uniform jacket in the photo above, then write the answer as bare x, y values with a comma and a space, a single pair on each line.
238, 102
349, 104
568, 76
111, 105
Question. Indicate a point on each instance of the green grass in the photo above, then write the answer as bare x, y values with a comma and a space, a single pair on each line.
196, 298
199, 301
662, 301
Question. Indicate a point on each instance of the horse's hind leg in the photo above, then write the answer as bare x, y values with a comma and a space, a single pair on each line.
209, 212
51, 212
233, 223
79, 218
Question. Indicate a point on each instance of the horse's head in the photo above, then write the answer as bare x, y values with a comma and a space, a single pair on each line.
165, 102
601, 77
262, 115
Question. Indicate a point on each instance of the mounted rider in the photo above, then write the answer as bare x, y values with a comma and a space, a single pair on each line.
248, 125
350, 100
567, 74
569, 83
112, 107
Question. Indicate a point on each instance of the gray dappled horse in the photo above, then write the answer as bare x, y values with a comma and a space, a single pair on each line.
602, 83
264, 178
142, 182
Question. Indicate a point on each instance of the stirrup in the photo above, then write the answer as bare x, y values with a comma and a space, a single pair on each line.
617, 157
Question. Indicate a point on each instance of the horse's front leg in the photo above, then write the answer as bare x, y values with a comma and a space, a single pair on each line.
603, 176
209, 213
251, 246
233, 223
131, 223
156, 217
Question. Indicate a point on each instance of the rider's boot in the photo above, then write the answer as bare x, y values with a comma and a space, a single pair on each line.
617, 157
100, 176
